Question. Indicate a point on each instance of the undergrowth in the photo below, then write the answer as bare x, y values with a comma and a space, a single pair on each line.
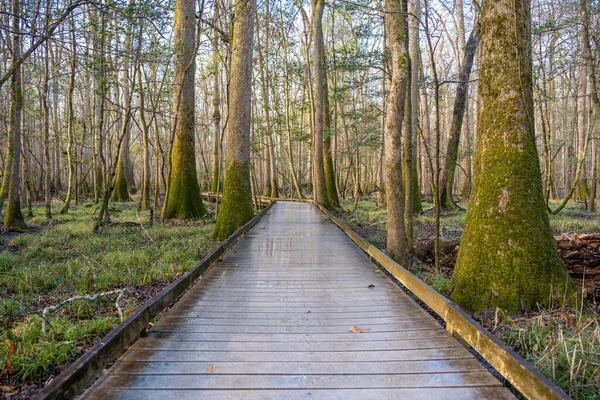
61, 258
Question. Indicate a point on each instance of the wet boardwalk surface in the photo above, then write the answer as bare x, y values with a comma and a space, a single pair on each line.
297, 311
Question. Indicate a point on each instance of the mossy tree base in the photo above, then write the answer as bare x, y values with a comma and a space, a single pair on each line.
236, 208
120, 191
184, 200
14, 217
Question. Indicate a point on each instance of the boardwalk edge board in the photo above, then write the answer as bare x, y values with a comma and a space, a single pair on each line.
81, 373
519, 373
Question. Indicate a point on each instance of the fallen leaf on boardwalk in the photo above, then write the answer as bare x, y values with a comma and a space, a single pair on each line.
377, 270
356, 329
370, 285
211, 368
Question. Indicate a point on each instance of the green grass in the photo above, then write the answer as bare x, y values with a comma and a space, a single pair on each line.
61, 258
564, 346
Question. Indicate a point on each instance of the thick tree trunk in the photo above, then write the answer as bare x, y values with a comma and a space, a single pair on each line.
507, 237
236, 208
395, 20
183, 194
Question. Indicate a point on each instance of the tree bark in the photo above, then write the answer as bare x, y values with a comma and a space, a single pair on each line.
70, 134
507, 237
236, 208
183, 198
460, 105
395, 20
319, 185
14, 217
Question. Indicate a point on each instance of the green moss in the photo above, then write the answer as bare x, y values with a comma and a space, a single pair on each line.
13, 219
184, 199
120, 192
507, 257
236, 208
215, 184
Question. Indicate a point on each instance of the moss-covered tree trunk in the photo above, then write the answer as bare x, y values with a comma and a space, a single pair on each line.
395, 22
414, 8
319, 185
407, 161
507, 257
14, 217
330, 179
458, 113
183, 199
236, 207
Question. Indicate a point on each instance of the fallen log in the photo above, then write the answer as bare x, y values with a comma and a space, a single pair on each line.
581, 256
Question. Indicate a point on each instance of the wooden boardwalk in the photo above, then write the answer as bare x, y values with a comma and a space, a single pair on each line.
275, 320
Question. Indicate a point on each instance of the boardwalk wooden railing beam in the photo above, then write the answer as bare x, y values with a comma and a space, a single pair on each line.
82, 372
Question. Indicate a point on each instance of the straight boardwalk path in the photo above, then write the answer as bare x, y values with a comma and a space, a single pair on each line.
275, 320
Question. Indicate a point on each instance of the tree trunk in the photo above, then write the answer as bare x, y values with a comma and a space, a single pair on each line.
183, 193
415, 54
236, 208
395, 20
330, 180
507, 238
216, 117
46, 124
14, 217
70, 134
123, 178
460, 105
319, 185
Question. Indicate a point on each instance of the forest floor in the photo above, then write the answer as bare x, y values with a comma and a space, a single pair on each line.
564, 344
55, 260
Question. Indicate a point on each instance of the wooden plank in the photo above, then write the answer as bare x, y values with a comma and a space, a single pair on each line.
257, 381
288, 337
449, 353
412, 343
448, 393
289, 368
